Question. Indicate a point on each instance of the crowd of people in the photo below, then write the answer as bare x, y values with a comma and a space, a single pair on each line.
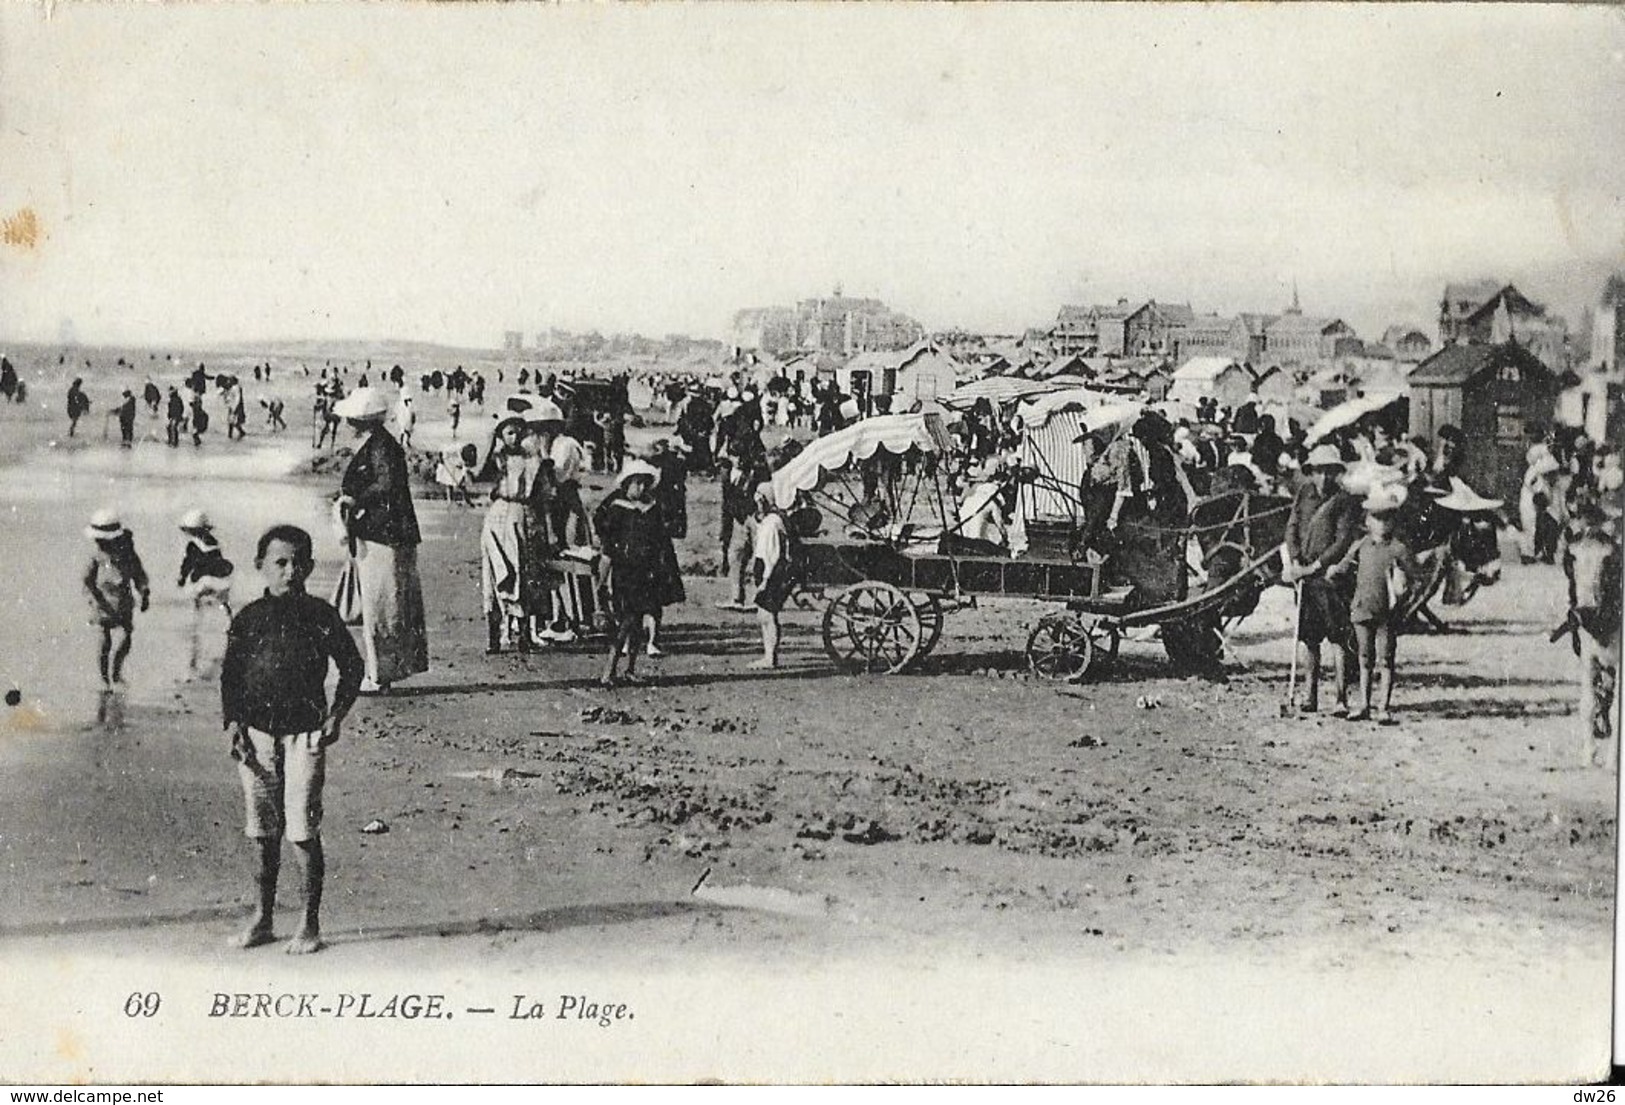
1365, 504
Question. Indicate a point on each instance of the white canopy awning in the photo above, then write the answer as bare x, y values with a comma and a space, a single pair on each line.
893, 433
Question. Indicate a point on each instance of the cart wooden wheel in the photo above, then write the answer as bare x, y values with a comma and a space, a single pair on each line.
1067, 647
929, 609
872, 626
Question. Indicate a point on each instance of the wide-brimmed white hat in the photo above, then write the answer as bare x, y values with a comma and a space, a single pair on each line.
196, 519
849, 409
1462, 498
104, 526
1324, 456
1384, 498
362, 405
638, 468
544, 411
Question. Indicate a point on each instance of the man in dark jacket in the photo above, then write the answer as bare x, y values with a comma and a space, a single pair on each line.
126, 419
1324, 523
174, 417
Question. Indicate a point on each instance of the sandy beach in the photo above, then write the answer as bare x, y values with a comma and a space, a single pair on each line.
1040, 881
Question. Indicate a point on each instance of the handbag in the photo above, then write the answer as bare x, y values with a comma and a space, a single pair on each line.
347, 593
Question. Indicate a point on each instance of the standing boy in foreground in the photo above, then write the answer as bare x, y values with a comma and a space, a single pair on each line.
275, 708
1382, 566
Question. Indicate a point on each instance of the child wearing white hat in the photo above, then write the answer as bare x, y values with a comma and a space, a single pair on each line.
114, 579
636, 546
205, 575
1382, 566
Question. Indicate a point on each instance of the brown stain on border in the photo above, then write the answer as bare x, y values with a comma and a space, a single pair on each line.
21, 230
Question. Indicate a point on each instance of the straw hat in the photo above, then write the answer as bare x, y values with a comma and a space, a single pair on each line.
849, 410
196, 520
104, 526
1323, 456
638, 468
1462, 498
764, 492
363, 405
1384, 498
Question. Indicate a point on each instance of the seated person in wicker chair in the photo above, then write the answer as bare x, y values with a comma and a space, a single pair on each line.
984, 520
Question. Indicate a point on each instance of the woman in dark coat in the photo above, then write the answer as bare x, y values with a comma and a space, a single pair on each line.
381, 525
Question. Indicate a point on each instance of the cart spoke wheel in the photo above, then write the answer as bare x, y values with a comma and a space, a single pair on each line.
929, 610
872, 626
1065, 647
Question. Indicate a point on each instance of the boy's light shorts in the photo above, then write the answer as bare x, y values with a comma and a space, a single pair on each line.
283, 786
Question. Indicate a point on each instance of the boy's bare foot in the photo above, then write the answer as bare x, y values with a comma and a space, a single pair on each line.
256, 935
607, 682
305, 942
632, 678
1360, 715
761, 665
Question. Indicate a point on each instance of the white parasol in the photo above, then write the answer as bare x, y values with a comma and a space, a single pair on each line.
1347, 414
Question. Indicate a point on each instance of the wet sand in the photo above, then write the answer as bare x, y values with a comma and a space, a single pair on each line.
960, 873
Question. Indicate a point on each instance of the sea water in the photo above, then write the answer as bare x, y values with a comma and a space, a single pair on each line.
47, 643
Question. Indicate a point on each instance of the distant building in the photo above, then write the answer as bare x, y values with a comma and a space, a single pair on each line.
1410, 344
1252, 327
1487, 311
845, 325
513, 341
769, 329
1296, 338
1595, 403
1207, 336
837, 324
1076, 331
1091, 330
1461, 304
1150, 330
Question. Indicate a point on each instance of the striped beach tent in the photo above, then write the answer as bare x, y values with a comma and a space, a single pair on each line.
1050, 445
997, 390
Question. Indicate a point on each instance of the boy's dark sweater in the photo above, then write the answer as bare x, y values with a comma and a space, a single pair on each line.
276, 664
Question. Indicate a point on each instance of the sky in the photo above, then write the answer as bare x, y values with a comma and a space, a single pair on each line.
216, 172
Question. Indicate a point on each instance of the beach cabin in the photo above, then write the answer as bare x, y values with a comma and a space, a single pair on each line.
1274, 385
924, 375
1217, 378
1499, 395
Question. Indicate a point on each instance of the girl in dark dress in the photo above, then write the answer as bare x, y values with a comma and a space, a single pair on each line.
640, 555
